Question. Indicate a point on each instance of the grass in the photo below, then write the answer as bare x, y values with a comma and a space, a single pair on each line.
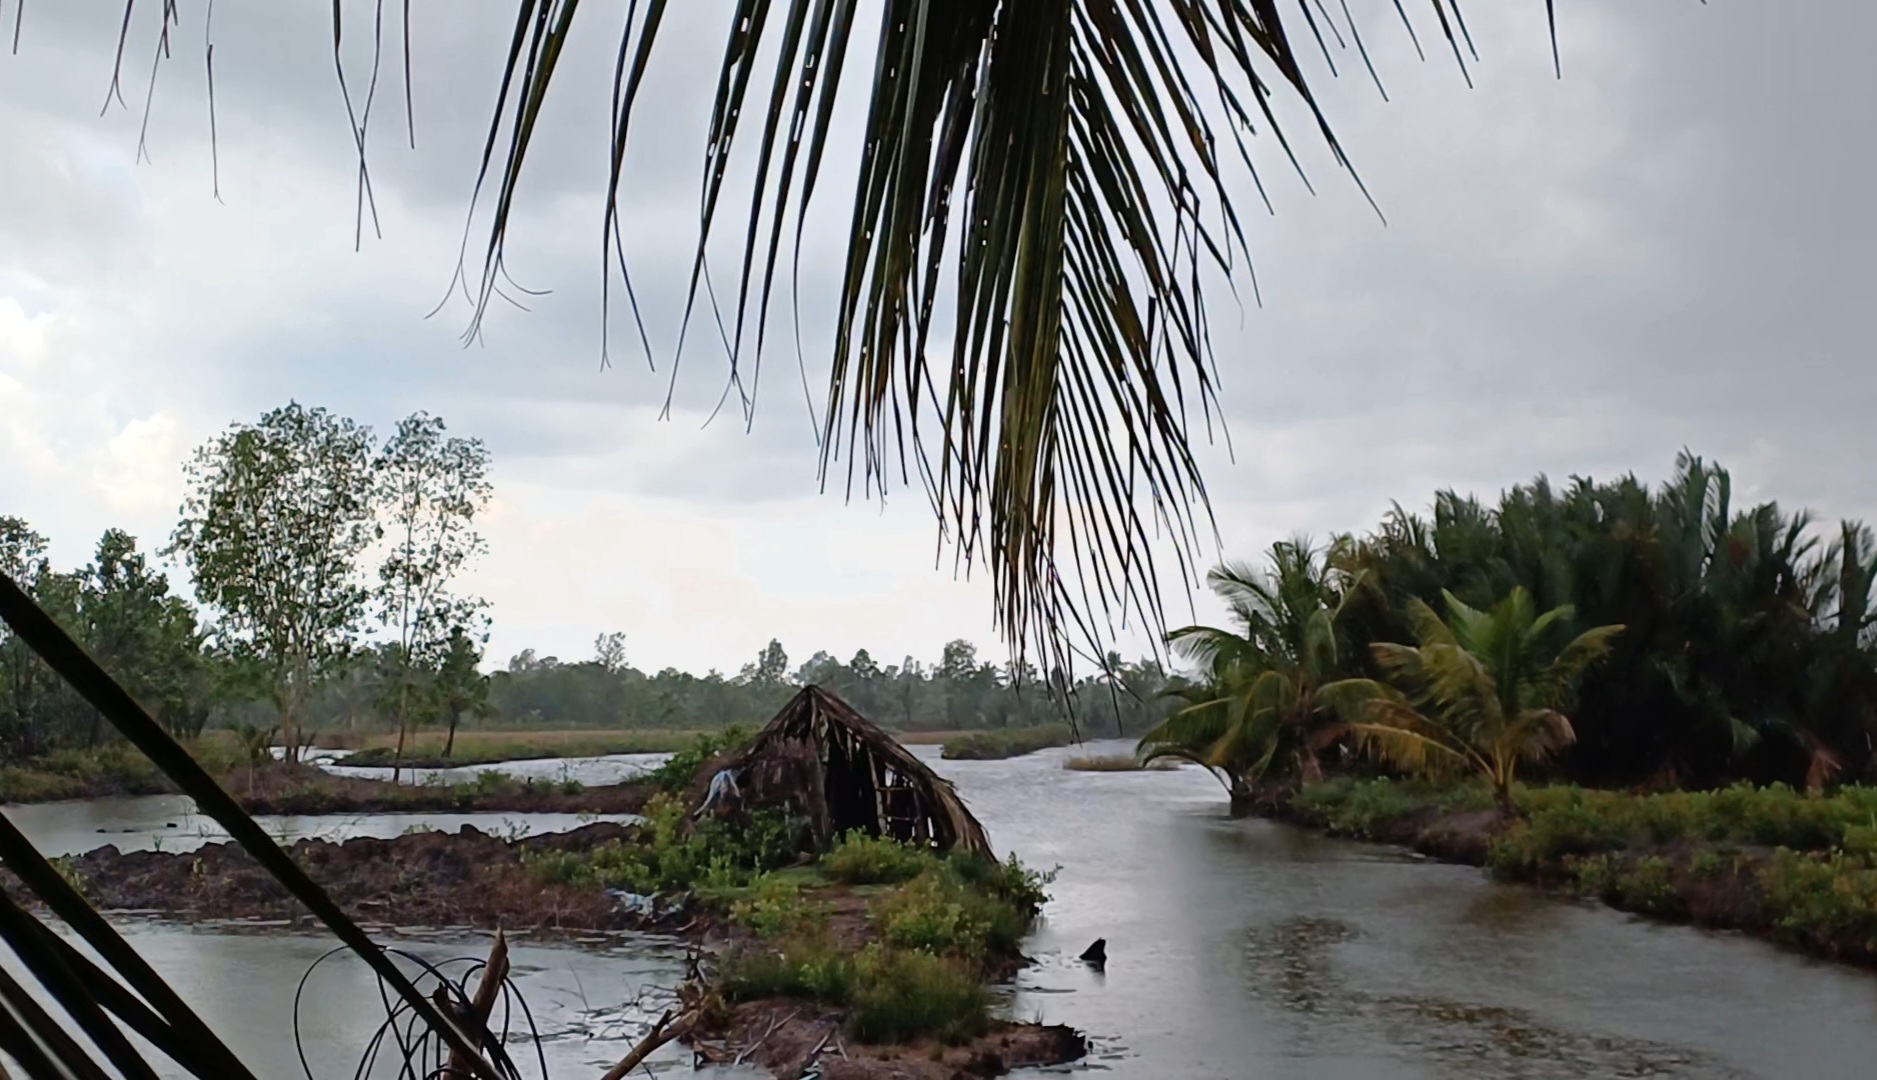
1117, 763
424, 749
947, 924
1000, 743
111, 769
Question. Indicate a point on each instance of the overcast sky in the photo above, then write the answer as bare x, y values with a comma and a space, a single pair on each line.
1664, 249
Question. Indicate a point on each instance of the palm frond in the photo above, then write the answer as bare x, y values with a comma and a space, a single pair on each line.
175, 1023
1057, 176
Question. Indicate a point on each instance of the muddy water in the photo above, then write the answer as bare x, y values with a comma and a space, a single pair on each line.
1236, 950
1248, 949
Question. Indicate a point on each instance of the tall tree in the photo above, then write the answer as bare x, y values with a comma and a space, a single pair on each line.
461, 689
1259, 707
22, 558
146, 637
277, 516
432, 485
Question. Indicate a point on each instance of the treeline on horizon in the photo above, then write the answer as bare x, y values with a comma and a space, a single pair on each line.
1684, 642
122, 610
324, 560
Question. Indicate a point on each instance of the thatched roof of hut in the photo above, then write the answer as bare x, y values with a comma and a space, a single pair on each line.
824, 761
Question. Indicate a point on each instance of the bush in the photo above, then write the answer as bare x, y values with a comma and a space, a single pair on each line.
1002, 743
678, 771
667, 857
859, 859
945, 912
902, 996
810, 968
1822, 900
774, 909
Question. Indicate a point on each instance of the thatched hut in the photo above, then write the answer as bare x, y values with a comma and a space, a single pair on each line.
823, 761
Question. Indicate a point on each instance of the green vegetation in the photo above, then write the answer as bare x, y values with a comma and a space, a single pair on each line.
952, 922
1002, 743
1260, 708
1801, 868
673, 854
1482, 692
1117, 763
109, 769
1746, 651
947, 923
681, 770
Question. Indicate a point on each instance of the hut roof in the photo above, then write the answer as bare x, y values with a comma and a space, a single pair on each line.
838, 769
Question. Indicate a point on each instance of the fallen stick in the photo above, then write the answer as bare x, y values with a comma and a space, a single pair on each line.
494, 973
662, 1032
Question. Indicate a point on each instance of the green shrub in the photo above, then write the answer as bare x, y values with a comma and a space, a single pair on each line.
809, 968
775, 909
680, 770
666, 857
1821, 899
1646, 885
859, 859
999, 743
944, 913
901, 996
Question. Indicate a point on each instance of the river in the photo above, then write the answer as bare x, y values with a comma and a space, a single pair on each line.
1237, 949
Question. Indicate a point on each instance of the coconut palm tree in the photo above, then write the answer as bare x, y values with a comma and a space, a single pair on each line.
1260, 709
1483, 692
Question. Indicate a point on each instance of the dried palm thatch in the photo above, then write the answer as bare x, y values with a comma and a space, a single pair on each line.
825, 762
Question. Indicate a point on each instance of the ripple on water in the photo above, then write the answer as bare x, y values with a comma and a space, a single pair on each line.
1291, 964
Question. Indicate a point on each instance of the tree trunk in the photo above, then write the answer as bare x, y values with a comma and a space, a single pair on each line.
449, 740
289, 728
1242, 794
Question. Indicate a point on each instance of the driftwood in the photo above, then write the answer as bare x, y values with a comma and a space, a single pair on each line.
662, 1032
494, 973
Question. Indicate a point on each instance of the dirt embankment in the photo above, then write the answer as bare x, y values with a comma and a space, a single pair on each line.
469, 878
302, 789
465, 878
786, 1036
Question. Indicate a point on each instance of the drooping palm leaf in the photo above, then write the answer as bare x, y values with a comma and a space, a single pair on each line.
75, 988
1021, 322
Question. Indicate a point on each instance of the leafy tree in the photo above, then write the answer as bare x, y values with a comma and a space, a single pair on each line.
609, 651
460, 686
145, 637
432, 486
1482, 692
22, 558
771, 668
1259, 707
276, 518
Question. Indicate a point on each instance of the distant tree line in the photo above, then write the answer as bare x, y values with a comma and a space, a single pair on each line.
323, 561
956, 692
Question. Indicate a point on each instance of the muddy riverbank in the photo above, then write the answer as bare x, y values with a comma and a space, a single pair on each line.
471, 879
